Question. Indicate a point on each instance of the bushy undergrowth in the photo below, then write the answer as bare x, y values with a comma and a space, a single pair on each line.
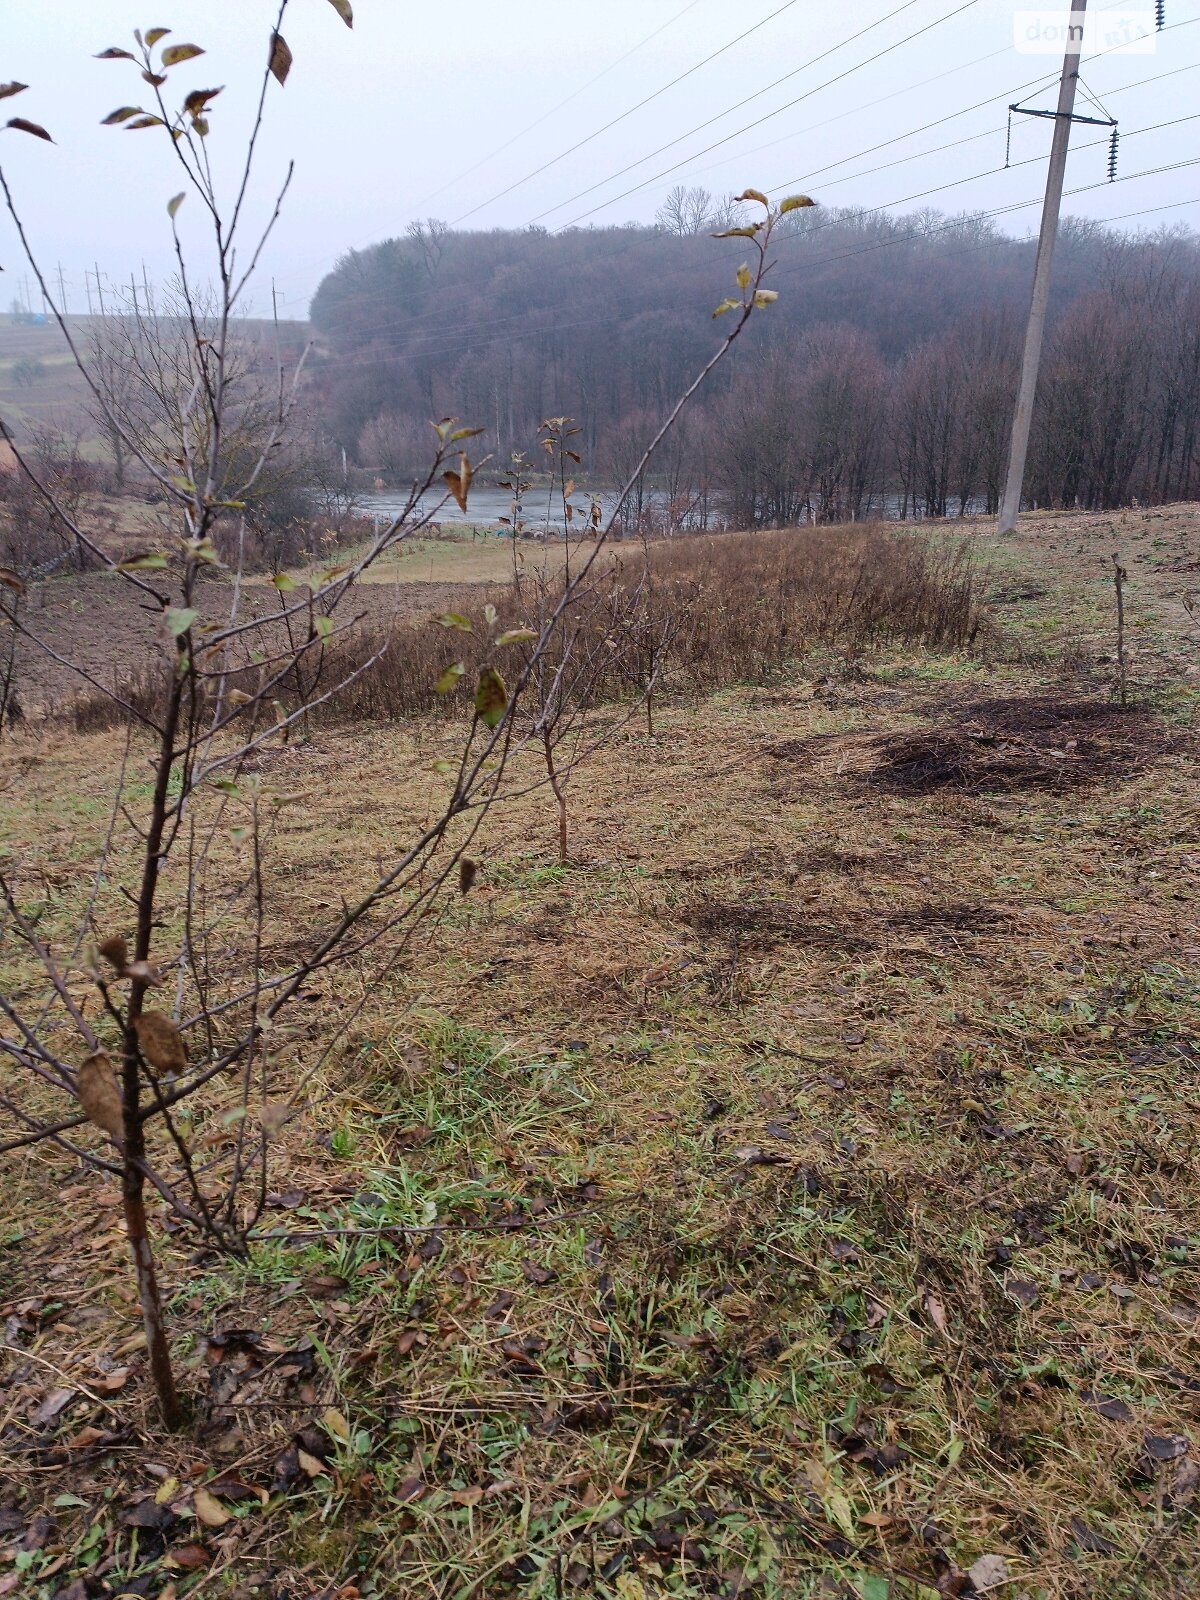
739, 607
736, 607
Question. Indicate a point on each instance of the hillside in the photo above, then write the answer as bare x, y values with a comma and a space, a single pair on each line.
798, 1184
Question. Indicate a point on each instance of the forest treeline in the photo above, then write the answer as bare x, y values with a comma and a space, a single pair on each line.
882, 379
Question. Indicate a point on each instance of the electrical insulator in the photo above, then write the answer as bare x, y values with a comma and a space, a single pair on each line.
1008, 139
1112, 156
1160, 14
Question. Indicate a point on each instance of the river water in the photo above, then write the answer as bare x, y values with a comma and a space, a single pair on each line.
485, 507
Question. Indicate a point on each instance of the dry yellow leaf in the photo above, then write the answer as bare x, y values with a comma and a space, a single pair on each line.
209, 1509
336, 1424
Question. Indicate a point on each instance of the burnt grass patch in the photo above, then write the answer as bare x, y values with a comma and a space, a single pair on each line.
769, 924
1005, 744
1027, 742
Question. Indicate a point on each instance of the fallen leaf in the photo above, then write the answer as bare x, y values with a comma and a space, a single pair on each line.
1089, 1540
933, 1309
55, 1402
189, 1557
988, 1573
336, 1424
209, 1509
499, 1305
1021, 1289
1168, 1447
310, 1464
1115, 1410
325, 1286
85, 1438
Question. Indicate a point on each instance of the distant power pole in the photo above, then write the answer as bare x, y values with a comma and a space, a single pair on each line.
1010, 506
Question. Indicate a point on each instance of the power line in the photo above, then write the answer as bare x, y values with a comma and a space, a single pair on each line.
554, 160
907, 89
817, 225
758, 121
729, 110
996, 211
1031, 83
879, 100
546, 115
991, 172
384, 296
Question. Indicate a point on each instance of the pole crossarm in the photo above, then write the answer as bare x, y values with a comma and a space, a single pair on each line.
1070, 116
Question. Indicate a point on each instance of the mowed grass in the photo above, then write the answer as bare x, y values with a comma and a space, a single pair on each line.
471, 557
795, 1195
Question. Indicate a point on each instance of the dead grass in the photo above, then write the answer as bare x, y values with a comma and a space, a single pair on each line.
795, 1196
1002, 744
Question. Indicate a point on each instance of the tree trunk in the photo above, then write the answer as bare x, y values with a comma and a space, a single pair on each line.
143, 1265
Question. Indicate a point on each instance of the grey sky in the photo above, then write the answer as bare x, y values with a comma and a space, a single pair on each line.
384, 121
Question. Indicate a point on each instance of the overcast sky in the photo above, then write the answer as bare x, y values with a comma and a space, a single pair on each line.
437, 109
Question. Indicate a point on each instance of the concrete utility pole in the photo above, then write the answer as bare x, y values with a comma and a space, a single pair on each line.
1010, 506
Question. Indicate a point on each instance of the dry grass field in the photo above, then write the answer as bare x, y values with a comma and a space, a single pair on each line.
796, 1195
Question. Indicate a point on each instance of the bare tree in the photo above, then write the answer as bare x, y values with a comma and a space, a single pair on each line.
686, 212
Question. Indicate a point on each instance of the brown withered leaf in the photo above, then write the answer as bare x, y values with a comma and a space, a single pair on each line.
53, 1405
86, 1437
504, 1299
100, 1095
281, 58
518, 1357
116, 952
187, 1557
1021, 1289
325, 1285
933, 1309
24, 126
533, 1273
160, 1042
459, 483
